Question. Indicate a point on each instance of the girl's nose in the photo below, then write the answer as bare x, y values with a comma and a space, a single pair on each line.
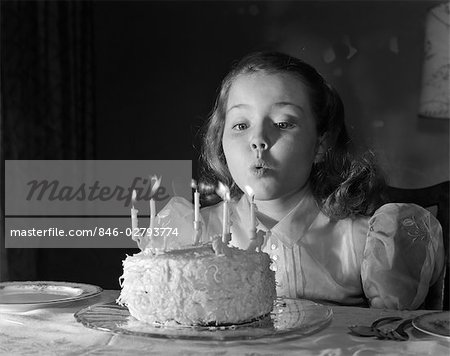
259, 141
259, 145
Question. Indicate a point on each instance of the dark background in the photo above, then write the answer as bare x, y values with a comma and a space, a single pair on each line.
156, 67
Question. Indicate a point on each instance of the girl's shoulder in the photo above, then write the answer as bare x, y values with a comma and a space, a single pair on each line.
392, 216
398, 223
408, 219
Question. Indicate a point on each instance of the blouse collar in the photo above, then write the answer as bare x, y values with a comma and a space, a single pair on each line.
293, 226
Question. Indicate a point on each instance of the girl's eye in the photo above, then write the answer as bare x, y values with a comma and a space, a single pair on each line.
284, 125
240, 127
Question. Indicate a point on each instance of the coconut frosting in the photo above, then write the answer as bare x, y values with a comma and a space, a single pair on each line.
195, 286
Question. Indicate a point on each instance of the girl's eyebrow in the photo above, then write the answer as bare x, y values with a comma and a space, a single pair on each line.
286, 103
237, 106
279, 104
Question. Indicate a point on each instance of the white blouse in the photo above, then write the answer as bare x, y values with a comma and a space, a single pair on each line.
389, 259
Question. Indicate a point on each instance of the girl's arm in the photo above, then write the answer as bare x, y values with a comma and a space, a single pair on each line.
403, 256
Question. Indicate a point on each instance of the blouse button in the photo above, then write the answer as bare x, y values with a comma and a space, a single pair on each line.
275, 257
273, 246
273, 267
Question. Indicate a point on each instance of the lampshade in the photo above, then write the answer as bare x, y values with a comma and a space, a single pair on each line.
435, 94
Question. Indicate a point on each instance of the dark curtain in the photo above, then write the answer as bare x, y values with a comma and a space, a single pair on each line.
47, 107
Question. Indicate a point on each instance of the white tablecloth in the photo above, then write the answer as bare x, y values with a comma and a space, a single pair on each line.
54, 331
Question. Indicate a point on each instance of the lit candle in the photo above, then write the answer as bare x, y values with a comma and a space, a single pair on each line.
156, 182
165, 242
134, 217
252, 213
224, 193
226, 219
196, 201
152, 212
251, 195
197, 222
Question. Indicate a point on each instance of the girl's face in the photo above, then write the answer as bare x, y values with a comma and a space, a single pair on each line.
270, 138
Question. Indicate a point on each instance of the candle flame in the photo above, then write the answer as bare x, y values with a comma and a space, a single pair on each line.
133, 198
156, 182
223, 192
194, 184
206, 188
249, 191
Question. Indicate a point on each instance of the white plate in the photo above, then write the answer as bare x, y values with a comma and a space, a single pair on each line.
437, 323
289, 317
22, 296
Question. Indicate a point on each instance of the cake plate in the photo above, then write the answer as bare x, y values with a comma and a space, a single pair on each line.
29, 295
299, 317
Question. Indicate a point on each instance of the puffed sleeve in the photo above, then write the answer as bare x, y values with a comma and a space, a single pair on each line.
403, 256
176, 222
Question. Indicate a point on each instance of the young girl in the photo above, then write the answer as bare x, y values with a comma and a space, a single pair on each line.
278, 127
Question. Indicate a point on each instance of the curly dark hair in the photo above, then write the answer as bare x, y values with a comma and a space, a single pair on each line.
344, 183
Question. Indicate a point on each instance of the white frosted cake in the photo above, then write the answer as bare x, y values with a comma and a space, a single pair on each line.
195, 286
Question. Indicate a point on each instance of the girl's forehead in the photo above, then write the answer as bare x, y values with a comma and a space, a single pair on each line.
283, 85
281, 80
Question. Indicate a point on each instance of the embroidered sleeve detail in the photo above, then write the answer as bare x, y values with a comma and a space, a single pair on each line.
403, 256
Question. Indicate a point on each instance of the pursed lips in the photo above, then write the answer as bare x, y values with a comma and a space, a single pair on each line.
259, 168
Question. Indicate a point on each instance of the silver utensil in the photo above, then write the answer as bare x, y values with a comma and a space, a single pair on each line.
397, 334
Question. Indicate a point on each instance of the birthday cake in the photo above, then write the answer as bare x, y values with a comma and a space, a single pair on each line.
198, 285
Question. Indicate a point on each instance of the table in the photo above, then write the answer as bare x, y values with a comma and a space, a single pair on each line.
54, 331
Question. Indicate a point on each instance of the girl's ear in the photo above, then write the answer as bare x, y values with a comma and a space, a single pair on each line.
321, 148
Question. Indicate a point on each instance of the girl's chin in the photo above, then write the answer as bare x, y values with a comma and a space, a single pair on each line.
266, 193
268, 196
270, 190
